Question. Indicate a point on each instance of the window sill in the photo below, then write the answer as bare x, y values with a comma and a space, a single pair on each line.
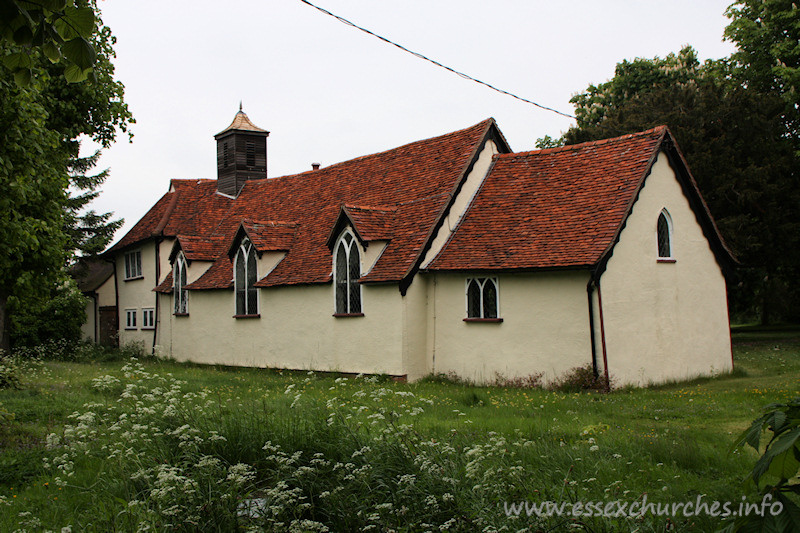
665, 260
245, 316
488, 320
347, 315
149, 328
130, 329
133, 279
180, 314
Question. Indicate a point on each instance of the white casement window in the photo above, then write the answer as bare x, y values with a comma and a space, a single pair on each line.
346, 273
133, 264
148, 318
664, 235
482, 298
245, 277
180, 294
130, 319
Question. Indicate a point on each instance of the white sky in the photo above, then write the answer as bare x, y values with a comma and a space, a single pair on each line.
328, 92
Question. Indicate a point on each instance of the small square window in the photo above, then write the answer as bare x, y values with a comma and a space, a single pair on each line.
148, 318
133, 264
130, 319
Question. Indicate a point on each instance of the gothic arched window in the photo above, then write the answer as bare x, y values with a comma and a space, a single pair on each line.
346, 273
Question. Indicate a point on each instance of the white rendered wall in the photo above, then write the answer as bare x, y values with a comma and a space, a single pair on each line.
138, 293
664, 321
88, 331
296, 330
545, 327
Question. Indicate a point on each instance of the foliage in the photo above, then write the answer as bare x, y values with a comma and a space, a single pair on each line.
59, 29
339, 450
549, 142
9, 375
767, 33
59, 315
780, 462
579, 379
734, 141
40, 124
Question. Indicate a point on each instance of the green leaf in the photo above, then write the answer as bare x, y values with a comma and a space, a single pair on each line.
74, 74
23, 77
785, 442
17, 60
80, 52
81, 19
751, 436
784, 465
52, 52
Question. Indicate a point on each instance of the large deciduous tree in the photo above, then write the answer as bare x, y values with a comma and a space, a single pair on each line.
767, 35
40, 125
734, 139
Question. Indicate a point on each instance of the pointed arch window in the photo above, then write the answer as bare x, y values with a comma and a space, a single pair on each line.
482, 298
346, 273
181, 295
664, 235
245, 276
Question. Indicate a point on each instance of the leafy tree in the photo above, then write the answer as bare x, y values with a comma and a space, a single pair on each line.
40, 223
60, 29
767, 34
733, 138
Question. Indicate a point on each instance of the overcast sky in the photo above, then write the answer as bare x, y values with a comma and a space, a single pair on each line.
328, 92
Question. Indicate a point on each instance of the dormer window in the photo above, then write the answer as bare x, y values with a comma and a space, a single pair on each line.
245, 276
664, 235
346, 273
181, 295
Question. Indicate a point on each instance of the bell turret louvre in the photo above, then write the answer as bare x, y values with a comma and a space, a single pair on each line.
241, 154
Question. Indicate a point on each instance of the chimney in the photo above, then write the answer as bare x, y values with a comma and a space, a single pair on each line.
241, 154
314, 166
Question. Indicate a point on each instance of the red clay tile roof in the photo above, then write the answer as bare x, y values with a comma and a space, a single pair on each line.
553, 208
218, 276
417, 180
267, 236
166, 285
372, 223
198, 248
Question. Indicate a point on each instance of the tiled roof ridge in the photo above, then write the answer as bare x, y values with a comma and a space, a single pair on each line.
587, 144
382, 152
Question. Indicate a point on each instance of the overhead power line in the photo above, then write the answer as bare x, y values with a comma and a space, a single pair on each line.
417, 54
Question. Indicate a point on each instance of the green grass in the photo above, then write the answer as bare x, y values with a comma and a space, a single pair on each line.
669, 442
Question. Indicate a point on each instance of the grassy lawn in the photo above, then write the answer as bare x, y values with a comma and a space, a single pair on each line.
166, 446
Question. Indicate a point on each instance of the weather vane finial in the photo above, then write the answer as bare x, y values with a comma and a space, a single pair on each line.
240, 106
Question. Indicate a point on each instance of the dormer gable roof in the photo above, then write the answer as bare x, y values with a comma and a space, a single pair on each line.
197, 248
266, 236
370, 223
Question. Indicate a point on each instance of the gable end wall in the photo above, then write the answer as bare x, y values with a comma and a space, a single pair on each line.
664, 321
